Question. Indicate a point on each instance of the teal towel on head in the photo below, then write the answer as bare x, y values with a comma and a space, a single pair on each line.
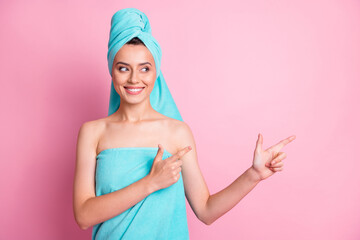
162, 214
126, 24
159, 216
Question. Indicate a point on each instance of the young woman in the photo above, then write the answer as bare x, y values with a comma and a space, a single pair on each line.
135, 167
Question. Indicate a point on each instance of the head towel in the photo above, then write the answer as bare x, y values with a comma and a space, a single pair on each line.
126, 24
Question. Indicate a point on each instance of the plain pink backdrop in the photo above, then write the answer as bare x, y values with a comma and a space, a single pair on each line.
234, 68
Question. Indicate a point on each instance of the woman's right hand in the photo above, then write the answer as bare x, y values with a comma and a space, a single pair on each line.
166, 172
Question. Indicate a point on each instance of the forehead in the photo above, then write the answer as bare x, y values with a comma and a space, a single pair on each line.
134, 53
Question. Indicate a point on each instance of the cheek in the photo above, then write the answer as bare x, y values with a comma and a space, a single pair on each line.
119, 78
149, 79
118, 82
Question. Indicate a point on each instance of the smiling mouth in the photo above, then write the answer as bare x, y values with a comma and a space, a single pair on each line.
134, 90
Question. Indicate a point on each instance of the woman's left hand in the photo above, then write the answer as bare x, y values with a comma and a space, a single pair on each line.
267, 162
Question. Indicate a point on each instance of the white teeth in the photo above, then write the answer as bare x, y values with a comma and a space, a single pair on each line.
134, 90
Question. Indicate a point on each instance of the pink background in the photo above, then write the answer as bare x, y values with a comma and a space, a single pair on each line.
234, 68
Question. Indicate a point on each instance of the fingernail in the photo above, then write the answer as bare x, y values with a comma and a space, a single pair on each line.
190, 147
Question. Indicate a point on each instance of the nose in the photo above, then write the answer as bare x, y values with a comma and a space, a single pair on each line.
133, 78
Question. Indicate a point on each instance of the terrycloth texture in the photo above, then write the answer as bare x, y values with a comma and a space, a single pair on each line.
159, 216
126, 24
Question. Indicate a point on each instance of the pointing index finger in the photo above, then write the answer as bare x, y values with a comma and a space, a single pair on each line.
282, 143
182, 152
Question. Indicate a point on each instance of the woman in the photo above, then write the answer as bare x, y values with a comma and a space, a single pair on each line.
135, 167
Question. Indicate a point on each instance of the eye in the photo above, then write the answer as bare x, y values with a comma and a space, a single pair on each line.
122, 68
146, 68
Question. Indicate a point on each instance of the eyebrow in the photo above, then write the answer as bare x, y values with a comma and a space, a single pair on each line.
129, 64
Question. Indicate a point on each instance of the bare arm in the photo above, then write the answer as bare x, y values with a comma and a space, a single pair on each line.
99, 209
265, 164
221, 202
90, 209
208, 207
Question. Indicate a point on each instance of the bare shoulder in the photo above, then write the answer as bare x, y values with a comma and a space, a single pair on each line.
182, 135
89, 133
179, 127
92, 127
173, 125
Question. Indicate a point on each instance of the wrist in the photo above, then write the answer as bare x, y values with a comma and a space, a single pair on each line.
253, 175
150, 188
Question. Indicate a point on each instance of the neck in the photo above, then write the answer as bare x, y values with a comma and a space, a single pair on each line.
134, 113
